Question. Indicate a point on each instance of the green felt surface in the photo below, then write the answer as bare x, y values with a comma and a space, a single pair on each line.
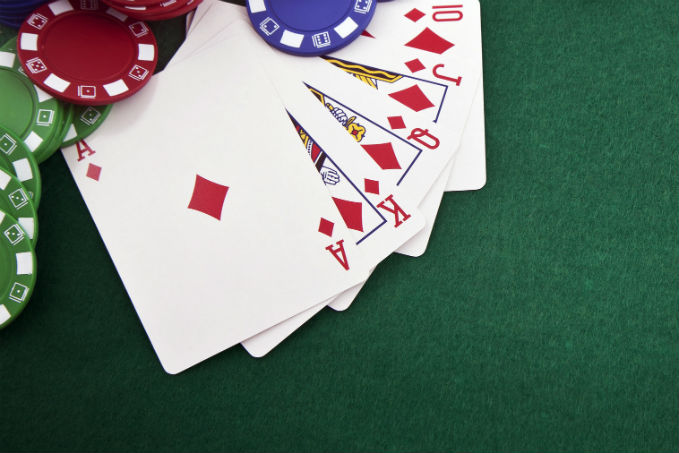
544, 316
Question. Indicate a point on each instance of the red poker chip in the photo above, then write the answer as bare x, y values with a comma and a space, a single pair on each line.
165, 10
164, 15
155, 7
86, 52
136, 2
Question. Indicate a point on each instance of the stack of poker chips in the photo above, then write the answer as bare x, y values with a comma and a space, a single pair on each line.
33, 125
152, 10
85, 52
49, 99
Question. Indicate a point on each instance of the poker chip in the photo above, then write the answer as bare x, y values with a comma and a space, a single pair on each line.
18, 160
155, 10
86, 52
135, 2
310, 27
58, 139
17, 269
86, 119
29, 112
13, 12
165, 13
15, 201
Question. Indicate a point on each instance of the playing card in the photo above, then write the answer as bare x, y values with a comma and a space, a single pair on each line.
416, 24
196, 15
218, 225
209, 25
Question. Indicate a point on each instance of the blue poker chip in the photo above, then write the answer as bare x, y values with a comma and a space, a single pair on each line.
310, 27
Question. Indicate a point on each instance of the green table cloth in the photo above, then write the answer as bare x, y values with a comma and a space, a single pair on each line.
543, 317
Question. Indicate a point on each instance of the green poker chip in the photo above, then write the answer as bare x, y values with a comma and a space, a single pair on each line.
26, 110
60, 136
87, 119
19, 161
17, 269
14, 200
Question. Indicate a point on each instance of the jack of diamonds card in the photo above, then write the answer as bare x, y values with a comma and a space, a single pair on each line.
407, 23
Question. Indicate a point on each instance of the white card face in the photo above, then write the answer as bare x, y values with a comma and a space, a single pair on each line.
469, 171
437, 28
218, 225
211, 20
406, 22
196, 15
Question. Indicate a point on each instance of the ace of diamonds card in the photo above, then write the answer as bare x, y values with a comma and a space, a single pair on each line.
217, 224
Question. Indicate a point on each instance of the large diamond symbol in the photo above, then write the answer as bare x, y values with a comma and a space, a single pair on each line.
413, 98
383, 154
208, 197
351, 212
431, 42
